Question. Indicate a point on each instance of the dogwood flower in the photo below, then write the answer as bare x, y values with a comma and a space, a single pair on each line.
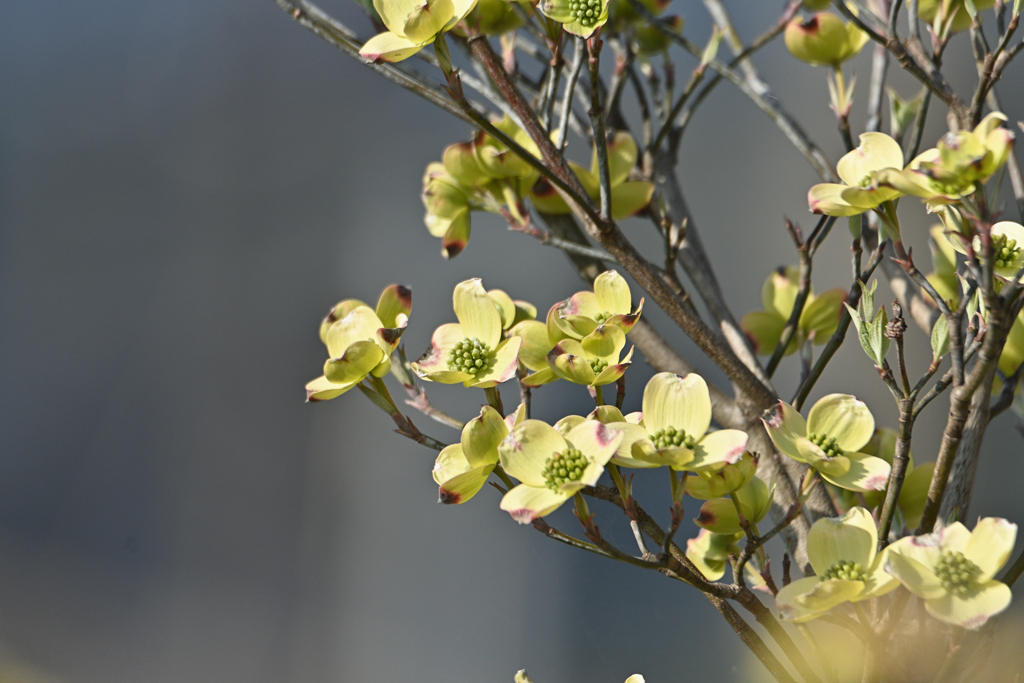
471, 351
837, 427
552, 468
677, 415
595, 360
952, 570
578, 17
609, 304
359, 341
861, 171
842, 552
412, 25
953, 169
462, 469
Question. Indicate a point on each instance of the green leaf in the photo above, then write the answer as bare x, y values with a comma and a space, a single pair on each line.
901, 112
711, 51
879, 342
940, 338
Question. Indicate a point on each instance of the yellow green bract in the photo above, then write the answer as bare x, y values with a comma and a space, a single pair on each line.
846, 565
952, 570
818, 320
627, 196
824, 40
462, 469
412, 25
359, 341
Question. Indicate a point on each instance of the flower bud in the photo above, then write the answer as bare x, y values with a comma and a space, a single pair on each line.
823, 40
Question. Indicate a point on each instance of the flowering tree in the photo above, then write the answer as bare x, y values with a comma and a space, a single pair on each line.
868, 537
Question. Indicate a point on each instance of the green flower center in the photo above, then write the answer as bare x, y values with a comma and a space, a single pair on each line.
867, 181
471, 356
602, 317
956, 572
1004, 251
585, 11
597, 365
845, 570
670, 437
564, 468
827, 444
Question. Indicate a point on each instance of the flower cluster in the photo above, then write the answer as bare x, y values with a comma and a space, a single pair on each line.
951, 570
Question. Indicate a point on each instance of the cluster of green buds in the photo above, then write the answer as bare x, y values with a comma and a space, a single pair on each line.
412, 25
818, 319
628, 197
479, 175
578, 17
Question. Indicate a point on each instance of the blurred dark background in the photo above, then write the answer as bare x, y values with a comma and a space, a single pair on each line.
185, 188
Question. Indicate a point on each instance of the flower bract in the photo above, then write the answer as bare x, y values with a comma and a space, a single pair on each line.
412, 25
627, 196
818, 319
823, 40
359, 341
462, 469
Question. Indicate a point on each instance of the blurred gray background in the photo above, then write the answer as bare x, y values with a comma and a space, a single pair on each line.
185, 188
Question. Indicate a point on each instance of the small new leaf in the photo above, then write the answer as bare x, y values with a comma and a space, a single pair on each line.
902, 112
940, 338
711, 51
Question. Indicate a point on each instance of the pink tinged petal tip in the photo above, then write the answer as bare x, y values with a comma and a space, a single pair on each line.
877, 483
773, 416
523, 515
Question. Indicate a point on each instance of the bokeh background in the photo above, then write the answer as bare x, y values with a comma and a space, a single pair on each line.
185, 188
